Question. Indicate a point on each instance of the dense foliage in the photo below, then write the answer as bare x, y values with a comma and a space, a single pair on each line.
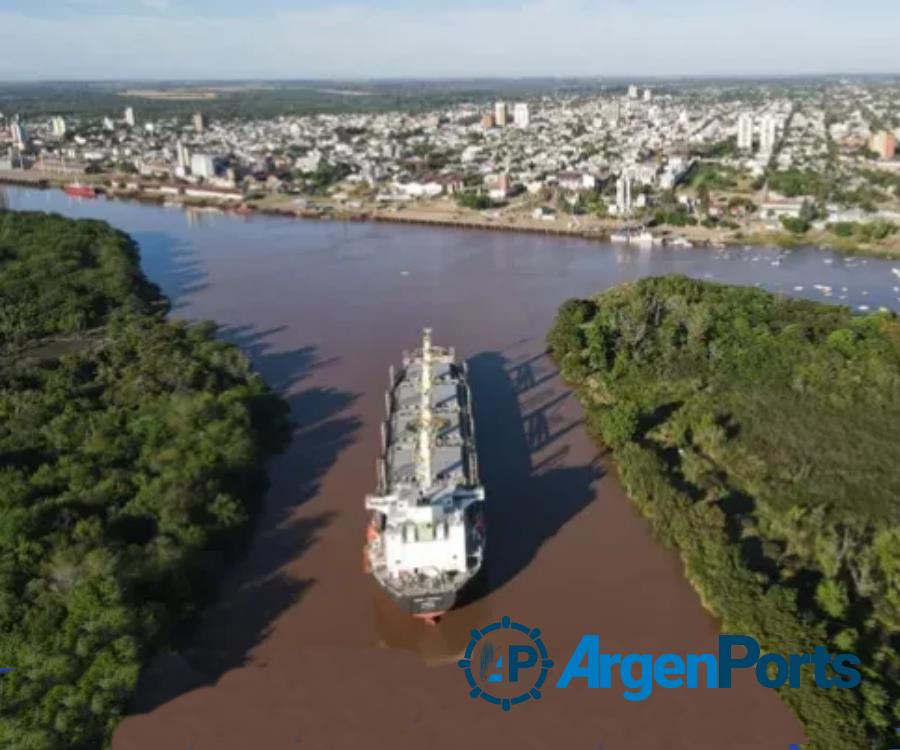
873, 231
131, 450
761, 437
473, 200
59, 276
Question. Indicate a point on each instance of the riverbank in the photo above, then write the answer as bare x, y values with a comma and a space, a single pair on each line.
134, 453
323, 309
743, 443
444, 213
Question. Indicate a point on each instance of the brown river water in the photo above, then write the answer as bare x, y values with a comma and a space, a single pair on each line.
302, 650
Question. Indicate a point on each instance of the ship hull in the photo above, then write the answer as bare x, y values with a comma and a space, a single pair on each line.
432, 606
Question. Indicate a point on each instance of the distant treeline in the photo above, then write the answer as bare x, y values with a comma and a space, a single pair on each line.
266, 99
760, 436
131, 456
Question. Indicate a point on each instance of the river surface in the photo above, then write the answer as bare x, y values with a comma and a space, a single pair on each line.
302, 650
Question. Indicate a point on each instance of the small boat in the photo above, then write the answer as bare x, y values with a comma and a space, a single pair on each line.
78, 190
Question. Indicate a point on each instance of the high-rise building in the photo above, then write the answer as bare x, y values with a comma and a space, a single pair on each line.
182, 156
203, 165
632, 92
768, 135
613, 113
884, 144
108, 124
129, 117
521, 115
745, 132
648, 95
500, 114
19, 133
58, 126
623, 194
199, 120
487, 122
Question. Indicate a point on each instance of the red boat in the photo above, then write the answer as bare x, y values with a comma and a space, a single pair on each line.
80, 191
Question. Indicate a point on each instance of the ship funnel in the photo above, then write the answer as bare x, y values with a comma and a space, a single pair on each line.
423, 463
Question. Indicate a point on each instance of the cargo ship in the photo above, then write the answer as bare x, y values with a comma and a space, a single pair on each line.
426, 534
78, 190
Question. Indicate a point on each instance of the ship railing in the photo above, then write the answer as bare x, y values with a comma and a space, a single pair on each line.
471, 452
473, 467
380, 476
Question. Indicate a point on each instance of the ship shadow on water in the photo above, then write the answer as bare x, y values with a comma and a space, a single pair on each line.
523, 423
255, 589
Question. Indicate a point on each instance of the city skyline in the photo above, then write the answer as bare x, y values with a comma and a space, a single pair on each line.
275, 39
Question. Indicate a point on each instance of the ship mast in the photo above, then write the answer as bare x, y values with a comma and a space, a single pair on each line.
423, 464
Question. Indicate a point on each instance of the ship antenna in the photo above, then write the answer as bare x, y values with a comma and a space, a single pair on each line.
423, 465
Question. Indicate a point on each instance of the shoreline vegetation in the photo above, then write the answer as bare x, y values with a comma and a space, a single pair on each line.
760, 436
447, 214
132, 458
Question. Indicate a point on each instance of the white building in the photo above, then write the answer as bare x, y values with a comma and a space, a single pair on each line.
310, 162
745, 132
416, 189
199, 122
648, 95
182, 156
521, 115
58, 126
108, 124
19, 134
673, 173
632, 92
623, 194
613, 113
129, 117
203, 165
768, 136
576, 181
500, 114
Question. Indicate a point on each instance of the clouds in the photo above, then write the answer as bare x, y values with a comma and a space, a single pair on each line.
396, 38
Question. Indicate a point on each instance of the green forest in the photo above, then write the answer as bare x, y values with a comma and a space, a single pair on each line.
132, 454
760, 436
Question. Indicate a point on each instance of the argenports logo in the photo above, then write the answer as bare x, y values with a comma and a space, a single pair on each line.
506, 663
510, 661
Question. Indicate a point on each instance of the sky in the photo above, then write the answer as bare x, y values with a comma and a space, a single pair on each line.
284, 39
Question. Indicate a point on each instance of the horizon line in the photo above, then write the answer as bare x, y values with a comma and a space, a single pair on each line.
464, 78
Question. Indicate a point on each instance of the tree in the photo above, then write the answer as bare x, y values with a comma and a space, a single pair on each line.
736, 421
131, 457
474, 200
